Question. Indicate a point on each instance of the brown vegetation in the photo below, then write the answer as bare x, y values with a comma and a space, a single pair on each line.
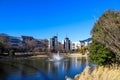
107, 30
99, 73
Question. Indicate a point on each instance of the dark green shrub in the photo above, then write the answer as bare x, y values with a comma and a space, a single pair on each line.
100, 55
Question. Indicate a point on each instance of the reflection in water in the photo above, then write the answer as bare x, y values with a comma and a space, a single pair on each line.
41, 69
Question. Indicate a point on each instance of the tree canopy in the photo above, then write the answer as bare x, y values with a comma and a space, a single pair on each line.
107, 30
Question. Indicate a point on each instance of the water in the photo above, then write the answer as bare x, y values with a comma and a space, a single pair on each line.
41, 69
55, 57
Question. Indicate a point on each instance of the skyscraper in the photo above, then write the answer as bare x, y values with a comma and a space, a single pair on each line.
67, 45
54, 44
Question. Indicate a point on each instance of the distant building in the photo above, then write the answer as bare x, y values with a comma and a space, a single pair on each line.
82, 44
27, 38
53, 44
76, 45
67, 45
85, 42
15, 42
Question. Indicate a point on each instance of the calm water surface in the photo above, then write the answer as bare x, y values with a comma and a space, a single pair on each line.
41, 68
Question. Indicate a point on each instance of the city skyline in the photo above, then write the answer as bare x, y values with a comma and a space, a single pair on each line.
44, 19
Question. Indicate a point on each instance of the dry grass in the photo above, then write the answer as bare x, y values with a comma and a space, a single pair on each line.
100, 73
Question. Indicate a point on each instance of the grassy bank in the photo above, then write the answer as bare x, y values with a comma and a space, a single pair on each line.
100, 73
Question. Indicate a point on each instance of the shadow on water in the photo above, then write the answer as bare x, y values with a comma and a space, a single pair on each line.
24, 66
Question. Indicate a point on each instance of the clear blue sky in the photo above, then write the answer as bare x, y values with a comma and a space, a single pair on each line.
45, 18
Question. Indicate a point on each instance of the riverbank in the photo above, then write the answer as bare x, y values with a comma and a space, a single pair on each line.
61, 54
99, 73
76, 55
25, 56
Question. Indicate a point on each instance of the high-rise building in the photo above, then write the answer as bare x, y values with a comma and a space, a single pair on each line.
53, 44
67, 45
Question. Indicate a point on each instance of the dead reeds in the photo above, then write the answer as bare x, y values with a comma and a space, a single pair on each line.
99, 73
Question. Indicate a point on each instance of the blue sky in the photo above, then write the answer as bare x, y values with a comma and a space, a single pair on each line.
45, 18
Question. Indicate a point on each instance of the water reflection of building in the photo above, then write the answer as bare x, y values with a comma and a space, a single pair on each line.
76, 61
40, 69
49, 66
57, 67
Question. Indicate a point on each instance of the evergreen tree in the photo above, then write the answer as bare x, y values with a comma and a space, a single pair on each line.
100, 55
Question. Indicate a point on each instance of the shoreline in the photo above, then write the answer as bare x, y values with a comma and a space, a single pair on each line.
62, 55
69, 55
